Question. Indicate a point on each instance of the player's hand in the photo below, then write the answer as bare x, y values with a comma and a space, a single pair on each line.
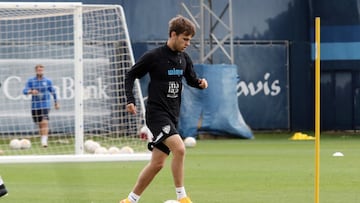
203, 83
57, 106
131, 108
33, 92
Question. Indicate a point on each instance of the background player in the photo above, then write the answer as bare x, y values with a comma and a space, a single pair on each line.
41, 88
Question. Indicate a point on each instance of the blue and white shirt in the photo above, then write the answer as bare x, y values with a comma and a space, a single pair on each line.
45, 87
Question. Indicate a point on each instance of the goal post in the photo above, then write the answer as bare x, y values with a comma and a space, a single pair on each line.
86, 51
78, 78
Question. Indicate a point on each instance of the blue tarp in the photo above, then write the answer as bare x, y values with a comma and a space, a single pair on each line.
214, 110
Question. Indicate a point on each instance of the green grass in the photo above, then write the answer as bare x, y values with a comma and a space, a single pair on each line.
268, 169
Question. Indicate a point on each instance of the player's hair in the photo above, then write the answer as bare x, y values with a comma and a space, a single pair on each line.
181, 25
39, 66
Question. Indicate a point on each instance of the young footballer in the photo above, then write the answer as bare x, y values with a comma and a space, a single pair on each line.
166, 65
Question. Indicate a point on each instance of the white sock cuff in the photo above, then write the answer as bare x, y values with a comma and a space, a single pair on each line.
134, 198
180, 188
180, 192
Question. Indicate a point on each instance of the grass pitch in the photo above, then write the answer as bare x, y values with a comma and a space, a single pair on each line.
269, 169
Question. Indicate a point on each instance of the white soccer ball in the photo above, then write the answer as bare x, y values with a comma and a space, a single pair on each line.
90, 146
190, 142
15, 144
87, 144
126, 150
145, 134
171, 201
25, 144
114, 150
101, 150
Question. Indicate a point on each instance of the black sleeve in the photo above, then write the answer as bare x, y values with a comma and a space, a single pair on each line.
138, 70
190, 75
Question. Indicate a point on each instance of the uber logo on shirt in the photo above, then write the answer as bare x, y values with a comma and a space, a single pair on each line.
174, 71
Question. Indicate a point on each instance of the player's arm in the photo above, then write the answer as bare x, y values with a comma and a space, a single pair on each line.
136, 71
53, 93
28, 88
190, 76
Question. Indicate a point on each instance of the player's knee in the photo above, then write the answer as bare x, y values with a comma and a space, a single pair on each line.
157, 165
179, 151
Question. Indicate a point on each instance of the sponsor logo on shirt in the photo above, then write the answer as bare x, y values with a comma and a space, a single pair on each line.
173, 90
175, 72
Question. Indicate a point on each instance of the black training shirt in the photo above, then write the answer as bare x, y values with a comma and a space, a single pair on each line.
166, 69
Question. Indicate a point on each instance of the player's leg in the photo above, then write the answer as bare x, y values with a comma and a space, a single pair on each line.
3, 190
44, 127
177, 148
37, 118
149, 172
147, 175
44, 131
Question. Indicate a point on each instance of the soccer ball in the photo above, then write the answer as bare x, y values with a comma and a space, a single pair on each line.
126, 150
91, 146
171, 201
190, 142
15, 144
114, 150
25, 144
101, 150
145, 134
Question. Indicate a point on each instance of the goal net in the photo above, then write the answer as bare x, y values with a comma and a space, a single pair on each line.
86, 52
